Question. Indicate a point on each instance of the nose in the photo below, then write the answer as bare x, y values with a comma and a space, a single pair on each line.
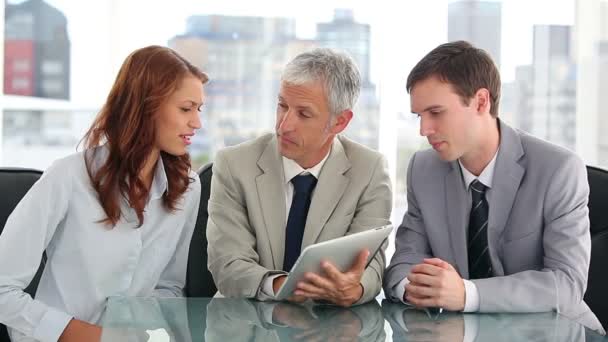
427, 126
286, 121
195, 121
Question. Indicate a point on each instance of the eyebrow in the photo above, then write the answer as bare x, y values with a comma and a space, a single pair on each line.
429, 108
194, 103
304, 107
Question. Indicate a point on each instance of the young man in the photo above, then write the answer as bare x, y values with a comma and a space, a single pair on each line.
497, 220
275, 195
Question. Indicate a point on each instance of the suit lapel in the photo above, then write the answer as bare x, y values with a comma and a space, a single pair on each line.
456, 205
507, 177
272, 200
329, 190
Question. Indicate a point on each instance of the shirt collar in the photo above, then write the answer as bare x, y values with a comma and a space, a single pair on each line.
485, 177
292, 169
160, 185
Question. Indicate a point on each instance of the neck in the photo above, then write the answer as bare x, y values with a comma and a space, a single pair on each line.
476, 160
307, 164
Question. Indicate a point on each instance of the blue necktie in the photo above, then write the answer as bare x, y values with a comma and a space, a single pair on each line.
302, 186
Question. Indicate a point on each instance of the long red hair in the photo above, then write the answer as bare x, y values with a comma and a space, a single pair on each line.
126, 125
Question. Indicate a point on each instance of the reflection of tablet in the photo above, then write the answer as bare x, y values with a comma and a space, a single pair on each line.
341, 252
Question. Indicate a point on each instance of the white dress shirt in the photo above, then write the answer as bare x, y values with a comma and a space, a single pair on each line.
485, 177
290, 170
87, 261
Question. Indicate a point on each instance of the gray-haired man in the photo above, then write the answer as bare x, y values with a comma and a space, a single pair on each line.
273, 196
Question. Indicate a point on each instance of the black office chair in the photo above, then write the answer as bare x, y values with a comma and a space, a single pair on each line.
14, 183
597, 294
199, 282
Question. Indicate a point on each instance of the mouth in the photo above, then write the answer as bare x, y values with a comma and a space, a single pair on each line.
186, 138
436, 145
286, 140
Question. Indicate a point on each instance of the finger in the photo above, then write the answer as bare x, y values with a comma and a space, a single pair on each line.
360, 262
307, 295
438, 262
331, 271
423, 279
420, 291
318, 281
427, 269
297, 299
310, 288
423, 302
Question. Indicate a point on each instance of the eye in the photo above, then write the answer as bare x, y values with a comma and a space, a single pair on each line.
185, 110
304, 114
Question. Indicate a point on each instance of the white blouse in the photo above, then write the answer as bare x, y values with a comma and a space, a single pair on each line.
87, 261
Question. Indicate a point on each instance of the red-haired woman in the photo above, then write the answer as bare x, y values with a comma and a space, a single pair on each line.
115, 219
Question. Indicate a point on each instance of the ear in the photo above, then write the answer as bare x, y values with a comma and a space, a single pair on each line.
482, 99
341, 121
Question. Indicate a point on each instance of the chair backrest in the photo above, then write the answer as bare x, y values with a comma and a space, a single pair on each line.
597, 288
199, 282
14, 184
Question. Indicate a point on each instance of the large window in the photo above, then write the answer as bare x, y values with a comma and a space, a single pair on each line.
60, 58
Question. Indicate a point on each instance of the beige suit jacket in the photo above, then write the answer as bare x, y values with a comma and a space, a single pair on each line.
246, 226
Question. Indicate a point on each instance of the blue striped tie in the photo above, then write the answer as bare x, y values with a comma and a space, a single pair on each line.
480, 265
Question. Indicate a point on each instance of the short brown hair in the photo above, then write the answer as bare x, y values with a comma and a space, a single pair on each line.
462, 65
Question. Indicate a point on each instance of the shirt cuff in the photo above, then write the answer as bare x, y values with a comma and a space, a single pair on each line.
267, 292
51, 325
399, 291
471, 301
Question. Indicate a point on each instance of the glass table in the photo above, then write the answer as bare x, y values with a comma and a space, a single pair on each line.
226, 320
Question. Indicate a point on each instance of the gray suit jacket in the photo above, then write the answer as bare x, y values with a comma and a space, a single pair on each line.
246, 226
538, 229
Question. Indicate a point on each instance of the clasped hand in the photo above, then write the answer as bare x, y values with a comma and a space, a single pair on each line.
435, 283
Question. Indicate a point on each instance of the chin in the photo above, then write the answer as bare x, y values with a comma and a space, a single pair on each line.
446, 156
176, 152
284, 152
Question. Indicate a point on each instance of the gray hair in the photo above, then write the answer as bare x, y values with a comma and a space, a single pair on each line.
336, 70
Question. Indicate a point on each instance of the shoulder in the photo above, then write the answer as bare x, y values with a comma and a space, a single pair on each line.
358, 153
67, 167
245, 153
547, 156
427, 162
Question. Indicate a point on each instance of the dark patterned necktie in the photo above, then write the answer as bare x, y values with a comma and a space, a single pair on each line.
302, 191
480, 265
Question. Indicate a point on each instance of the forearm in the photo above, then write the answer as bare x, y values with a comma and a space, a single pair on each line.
30, 317
371, 280
527, 291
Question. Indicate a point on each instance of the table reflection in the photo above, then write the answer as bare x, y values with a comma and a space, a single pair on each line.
227, 320
417, 325
239, 320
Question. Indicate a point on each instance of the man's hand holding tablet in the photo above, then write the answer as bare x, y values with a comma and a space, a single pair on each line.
331, 270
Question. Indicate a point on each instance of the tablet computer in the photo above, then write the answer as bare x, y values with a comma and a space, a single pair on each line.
341, 252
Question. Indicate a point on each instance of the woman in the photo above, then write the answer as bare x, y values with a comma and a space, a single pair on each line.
115, 219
